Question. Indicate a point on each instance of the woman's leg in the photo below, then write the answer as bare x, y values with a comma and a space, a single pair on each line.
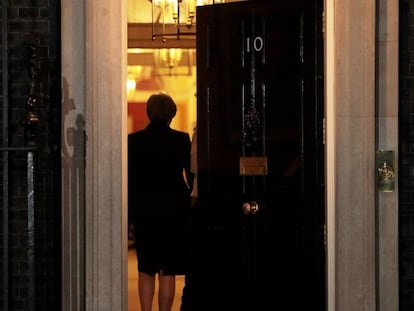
166, 291
146, 288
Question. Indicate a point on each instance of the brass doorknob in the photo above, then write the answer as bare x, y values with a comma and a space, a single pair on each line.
250, 208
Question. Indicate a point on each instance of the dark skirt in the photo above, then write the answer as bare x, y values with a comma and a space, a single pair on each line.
161, 241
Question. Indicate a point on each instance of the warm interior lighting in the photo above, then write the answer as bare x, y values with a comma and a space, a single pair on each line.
175, 18
134, 72
131, 84
173, 61
151, 72
170, 57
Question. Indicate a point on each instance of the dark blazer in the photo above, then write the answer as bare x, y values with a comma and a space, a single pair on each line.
157, 158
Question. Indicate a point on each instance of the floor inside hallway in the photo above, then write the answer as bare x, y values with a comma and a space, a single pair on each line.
133, 300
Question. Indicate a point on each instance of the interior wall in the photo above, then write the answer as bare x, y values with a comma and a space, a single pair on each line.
179, 82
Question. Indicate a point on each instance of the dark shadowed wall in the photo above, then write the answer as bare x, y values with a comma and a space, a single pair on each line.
31, 66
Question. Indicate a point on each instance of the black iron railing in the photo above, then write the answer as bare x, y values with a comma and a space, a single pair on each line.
29, 124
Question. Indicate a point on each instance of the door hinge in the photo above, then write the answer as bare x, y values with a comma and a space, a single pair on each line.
324, 131
323, 24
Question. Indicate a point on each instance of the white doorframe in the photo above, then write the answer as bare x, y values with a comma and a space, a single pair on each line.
330, 131
106, 230
94, 50
94, 243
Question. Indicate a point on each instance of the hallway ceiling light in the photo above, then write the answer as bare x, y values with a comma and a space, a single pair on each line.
175, 18
173, 62
170, 57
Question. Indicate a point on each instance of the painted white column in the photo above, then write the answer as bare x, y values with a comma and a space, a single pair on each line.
94, 229
330, 153
354, 119
106, 230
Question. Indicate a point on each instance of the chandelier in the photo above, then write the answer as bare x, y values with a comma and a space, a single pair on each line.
174, 61
170, 57
175, 18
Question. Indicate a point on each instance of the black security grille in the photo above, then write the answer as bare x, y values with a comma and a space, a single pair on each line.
30, 159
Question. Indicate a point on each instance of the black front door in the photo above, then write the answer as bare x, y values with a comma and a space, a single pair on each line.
261, 212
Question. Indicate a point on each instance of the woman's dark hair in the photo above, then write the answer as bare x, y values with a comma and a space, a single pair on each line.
161, 107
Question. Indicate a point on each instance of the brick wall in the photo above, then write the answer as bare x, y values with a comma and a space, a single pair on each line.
33, 34
406, 150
